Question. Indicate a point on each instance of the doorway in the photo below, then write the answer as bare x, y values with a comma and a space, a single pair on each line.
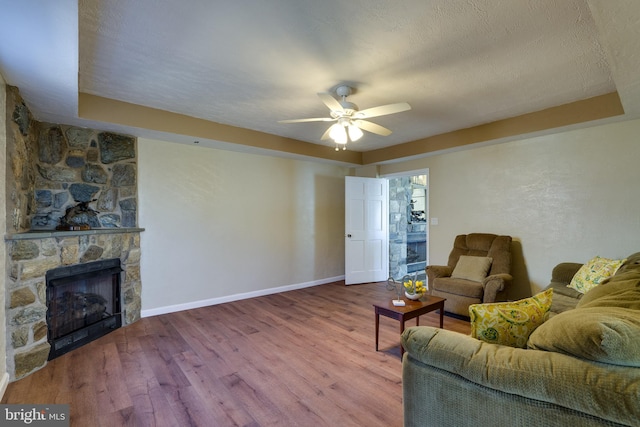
408, 224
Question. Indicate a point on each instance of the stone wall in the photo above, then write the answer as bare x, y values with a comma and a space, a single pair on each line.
399, 197
20, 170
56, 167
400, 226
30, 258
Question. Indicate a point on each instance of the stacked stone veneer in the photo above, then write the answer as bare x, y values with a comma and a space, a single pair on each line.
30, 259
80, 165
400, 192
51, 168
55, 167
399, 208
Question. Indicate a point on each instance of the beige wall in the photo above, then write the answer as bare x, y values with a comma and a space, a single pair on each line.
563, 197
222, 224
4, 376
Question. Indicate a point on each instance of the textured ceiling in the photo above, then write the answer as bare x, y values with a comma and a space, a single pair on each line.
249, 64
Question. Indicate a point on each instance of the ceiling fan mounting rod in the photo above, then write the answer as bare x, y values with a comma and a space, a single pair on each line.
348, 107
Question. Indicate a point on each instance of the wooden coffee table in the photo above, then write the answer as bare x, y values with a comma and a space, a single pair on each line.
410, 310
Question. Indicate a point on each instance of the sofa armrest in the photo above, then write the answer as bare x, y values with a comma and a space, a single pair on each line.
495, 284
564, 272
435, 271
598, 389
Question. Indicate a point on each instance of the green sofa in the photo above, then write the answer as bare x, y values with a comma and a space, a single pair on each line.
581, 366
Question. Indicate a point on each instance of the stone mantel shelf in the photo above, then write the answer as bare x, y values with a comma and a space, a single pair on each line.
44, 234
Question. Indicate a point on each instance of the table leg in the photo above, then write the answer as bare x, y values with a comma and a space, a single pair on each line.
442, 316
377, 327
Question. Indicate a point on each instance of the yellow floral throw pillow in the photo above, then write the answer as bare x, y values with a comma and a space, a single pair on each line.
509, 323
593, 273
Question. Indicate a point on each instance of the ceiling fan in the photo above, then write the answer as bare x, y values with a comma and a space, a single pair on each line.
349, 121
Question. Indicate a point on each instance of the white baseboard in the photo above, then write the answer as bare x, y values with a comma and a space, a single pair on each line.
4, 382
235, 297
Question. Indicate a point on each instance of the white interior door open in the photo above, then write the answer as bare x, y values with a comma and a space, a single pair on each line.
366, 230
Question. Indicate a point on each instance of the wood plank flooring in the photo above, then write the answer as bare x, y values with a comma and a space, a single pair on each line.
300, 358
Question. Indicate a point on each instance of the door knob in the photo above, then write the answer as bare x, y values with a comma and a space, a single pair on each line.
349, 235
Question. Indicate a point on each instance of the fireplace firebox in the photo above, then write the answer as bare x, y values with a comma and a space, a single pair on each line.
83, 304
416, 252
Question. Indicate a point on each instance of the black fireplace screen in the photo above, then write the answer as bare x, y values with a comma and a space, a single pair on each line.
83, 304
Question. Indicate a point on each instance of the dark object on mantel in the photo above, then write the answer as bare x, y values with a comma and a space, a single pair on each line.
69, 227
79, 217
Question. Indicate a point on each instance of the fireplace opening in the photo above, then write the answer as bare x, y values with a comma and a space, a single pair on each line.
416, 252
83, 304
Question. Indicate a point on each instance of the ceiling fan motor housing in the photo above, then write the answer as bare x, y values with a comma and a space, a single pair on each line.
343, 91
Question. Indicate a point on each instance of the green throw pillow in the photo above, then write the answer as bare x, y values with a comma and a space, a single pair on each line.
509, 323
602, 334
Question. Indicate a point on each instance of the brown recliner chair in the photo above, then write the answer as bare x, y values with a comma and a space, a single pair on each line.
461, 293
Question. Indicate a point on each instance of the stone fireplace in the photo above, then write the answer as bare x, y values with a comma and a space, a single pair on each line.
31, 256
54, 170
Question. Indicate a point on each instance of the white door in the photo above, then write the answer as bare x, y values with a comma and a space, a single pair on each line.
366, 230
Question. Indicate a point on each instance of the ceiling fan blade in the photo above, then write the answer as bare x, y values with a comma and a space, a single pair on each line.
383, 110
330, 101
315, 119
372, 127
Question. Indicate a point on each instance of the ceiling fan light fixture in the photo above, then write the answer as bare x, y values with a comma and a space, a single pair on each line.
338, 133
355, 133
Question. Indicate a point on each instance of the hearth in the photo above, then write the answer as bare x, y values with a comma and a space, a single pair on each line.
83, 304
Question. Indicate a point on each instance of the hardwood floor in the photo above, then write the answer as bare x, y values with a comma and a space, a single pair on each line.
299, 358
